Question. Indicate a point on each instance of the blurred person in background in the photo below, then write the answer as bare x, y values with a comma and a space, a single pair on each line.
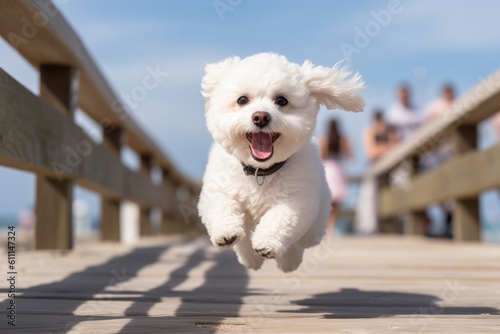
402, 115
438, 107
334, 149
443, 151
26, 221
405, 118
378, 139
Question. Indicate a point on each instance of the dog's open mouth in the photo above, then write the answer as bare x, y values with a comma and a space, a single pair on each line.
261, 144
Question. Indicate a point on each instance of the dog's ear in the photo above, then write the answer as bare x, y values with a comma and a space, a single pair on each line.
335, 88
214, 73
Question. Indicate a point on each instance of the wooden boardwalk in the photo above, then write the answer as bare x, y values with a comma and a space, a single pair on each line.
354, 285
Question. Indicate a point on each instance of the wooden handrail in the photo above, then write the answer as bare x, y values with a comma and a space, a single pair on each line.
38, 134
462, 178
66, 152
53, 41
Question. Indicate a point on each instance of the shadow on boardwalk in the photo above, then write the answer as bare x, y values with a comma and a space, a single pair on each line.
219, 297
204, 308
354, 303
79, 288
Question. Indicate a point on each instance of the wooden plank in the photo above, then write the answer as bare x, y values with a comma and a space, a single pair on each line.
38, 138
54, 198
457, 178
39, 32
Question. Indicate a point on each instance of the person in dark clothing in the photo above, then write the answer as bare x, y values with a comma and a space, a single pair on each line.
379, 138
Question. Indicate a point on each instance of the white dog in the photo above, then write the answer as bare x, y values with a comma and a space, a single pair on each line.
264, 189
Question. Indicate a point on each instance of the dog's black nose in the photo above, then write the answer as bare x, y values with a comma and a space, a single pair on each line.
261, 118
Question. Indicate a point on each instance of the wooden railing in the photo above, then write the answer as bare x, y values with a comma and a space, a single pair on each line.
38, 134
461, 179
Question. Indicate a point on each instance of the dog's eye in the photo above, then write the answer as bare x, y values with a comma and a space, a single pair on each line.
281, 101
242, 100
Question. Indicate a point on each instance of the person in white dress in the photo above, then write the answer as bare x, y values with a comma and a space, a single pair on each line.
334, 149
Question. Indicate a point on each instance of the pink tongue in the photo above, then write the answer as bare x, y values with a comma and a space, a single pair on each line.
262, 145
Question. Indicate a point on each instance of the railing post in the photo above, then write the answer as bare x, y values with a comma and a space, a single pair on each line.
466, 225
414, 221
54, 197
145, 211
386, 225
194, 221
166, 216
169, 223
110, 207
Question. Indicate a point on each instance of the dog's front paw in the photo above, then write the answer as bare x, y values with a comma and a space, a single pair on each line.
266, 252
228, 237
267, 247
226, 241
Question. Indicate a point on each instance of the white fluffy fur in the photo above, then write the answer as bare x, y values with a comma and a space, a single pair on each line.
289, 212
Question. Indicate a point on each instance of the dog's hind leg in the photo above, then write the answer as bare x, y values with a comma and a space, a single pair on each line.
313, 236
246, 254
316, 232
291, 260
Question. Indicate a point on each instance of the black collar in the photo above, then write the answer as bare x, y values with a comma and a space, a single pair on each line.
252, 171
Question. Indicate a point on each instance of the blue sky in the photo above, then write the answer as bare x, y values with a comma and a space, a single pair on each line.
424, 43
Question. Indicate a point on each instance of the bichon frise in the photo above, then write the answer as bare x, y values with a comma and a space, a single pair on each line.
264, 190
